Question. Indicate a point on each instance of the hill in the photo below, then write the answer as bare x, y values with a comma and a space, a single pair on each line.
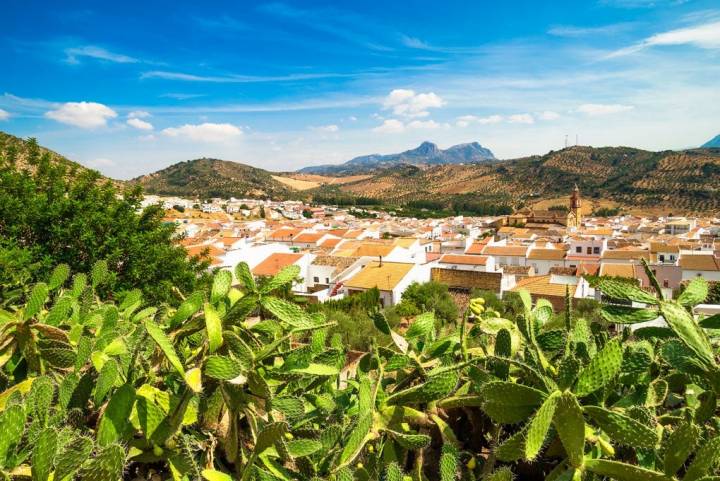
426, 154
205, 178
712, 143
685, 181
22, 152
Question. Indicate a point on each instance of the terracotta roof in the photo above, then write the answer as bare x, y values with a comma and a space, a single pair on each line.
519, 251
308, 237
405, 242
546, 254
373, 250
662, 247
330, 242
463, 259
212, 251
700, 262
274, 263
476, 248
522, 270
540, 286
563, 271
618, 270
283, 234
626, 254
228, 241
587, 269
341, 263
384, 276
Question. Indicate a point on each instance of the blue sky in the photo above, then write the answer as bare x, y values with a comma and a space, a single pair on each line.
130, 87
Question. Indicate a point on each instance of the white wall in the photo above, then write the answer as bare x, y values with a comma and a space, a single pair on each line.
419, 273
707, 275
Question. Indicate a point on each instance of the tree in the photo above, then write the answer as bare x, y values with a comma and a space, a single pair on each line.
428, 296
307, 213
55, 217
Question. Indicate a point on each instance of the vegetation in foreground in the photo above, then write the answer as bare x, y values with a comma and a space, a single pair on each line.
53, 211
238, 383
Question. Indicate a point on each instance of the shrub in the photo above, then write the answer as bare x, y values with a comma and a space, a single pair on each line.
97, 389
428, 297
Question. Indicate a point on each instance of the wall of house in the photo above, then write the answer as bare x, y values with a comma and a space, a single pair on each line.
668, 275
542, 267
688, 275
596, 246
323, 273
510, 260
459, 279
462, 267
304, 264
419, 273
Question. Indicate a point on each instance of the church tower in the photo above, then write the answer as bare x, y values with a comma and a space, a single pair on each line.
574, 218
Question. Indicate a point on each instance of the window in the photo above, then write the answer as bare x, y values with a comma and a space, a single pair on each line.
596, 250
661, 257
589, 250
316, 279
327, 280
666, 283
578, 250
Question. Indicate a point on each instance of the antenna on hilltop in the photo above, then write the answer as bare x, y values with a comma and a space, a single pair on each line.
566, 141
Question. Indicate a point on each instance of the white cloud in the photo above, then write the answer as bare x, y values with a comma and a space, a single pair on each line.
86, 115
574, 31
73, 55
326, 128
549, 115
205, 132
407, 103
139, 124
413, 42
705, 36
423, 124
595, 110
138, 114
352, 118
521, 119
390, 126
4, 114
395, 126
147, 138
466, 120
492, 119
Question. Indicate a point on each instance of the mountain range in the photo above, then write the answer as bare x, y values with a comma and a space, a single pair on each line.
712, 143
427, 154
686, 181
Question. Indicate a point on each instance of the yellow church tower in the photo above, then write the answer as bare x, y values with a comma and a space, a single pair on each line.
574, 218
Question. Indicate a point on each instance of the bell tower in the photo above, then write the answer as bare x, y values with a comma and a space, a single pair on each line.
574, 218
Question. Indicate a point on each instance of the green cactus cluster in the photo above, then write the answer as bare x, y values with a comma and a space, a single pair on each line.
240, 383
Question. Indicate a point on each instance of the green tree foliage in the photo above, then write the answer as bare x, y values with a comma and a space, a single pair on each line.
428, 297
51, 215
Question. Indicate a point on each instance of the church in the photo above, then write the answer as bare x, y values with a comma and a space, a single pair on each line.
547, 219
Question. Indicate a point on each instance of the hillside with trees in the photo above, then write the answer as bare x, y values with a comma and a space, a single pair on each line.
685, 181
206, 178
53, 211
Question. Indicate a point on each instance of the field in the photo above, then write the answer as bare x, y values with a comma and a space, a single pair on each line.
311, 181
